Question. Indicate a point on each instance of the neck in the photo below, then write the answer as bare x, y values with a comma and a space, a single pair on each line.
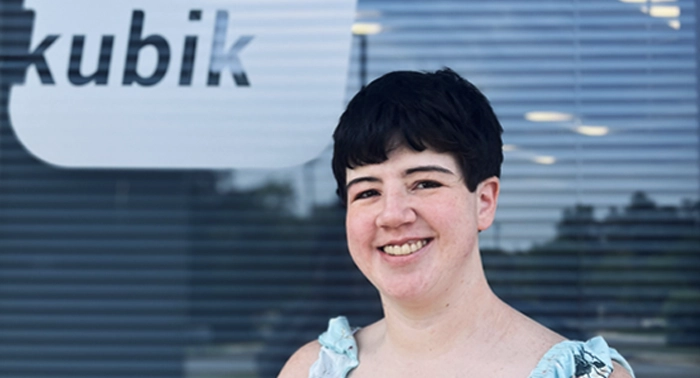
467, 312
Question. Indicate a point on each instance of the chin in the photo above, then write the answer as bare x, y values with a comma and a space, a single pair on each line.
404, 289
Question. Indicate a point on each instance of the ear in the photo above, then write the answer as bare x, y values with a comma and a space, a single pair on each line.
487, 201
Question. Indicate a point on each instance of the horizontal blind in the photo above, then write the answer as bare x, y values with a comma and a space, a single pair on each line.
598, 226
120, 273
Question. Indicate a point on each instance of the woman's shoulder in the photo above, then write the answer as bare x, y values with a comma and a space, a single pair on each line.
558, 357
592, 358
334, 354
300, 362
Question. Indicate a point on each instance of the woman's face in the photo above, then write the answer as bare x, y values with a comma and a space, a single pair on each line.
412, 224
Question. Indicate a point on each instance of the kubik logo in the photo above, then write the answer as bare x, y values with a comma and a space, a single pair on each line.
219, 61
182, 84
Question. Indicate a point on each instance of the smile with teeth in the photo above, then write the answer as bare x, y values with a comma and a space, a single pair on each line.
404, 249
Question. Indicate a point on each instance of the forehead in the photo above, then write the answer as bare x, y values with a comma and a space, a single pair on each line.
402, 159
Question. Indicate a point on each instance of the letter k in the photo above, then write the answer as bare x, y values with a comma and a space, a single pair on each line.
220, 59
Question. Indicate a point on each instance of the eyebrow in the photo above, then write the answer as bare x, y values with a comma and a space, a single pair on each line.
408, 172
359, 180
428, 168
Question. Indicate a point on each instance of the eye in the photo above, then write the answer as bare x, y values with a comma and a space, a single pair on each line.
427, 184
366, 194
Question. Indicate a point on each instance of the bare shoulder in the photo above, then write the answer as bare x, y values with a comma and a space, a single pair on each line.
367, 337
299, 363
533, 336
619, 371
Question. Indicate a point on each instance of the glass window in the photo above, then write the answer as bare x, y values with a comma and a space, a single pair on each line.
212, 273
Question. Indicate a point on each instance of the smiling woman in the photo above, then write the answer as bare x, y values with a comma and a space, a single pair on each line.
417, 160
412, 228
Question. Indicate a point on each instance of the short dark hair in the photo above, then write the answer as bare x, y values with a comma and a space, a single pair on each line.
441, 111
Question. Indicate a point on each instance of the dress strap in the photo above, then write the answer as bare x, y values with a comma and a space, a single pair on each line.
570, 359
338, 354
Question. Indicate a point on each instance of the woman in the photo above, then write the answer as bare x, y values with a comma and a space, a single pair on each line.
417, 160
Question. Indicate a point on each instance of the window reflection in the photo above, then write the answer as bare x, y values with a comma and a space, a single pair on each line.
211, 273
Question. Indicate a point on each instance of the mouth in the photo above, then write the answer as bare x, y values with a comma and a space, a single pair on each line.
406, 248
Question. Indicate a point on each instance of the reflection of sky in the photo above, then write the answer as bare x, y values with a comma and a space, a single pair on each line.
624, 67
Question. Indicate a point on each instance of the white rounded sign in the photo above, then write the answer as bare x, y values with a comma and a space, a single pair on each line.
183, 84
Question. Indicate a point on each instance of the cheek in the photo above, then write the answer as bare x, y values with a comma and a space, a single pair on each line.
358, 227
457, 215
359, 234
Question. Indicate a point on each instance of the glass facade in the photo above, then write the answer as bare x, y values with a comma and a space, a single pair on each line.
224, 273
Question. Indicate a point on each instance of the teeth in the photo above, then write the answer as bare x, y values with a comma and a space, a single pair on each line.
405, 249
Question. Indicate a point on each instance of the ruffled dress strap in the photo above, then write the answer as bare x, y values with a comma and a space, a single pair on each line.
338, 354
572, 359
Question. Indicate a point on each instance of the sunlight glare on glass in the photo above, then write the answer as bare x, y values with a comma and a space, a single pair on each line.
509, 147
366, 28
593, 130
675, 24
547, 116
544, 159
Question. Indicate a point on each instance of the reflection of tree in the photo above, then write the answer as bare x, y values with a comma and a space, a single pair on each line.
634, 271
332, 286
261, 273
233, 235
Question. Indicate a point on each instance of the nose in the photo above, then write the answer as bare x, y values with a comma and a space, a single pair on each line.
396, 210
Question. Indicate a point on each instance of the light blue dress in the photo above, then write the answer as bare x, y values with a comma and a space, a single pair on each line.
568, 359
